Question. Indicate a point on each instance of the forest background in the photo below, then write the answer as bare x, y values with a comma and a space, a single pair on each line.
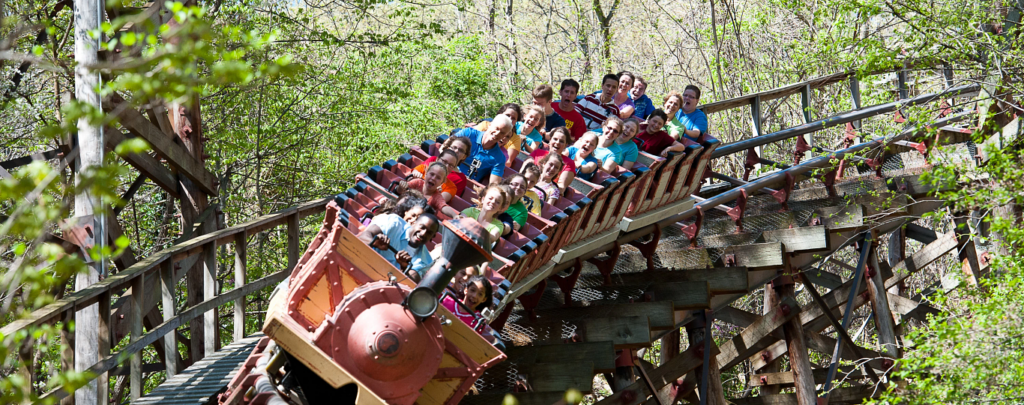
360, 81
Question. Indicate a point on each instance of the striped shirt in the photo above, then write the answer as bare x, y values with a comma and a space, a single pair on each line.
594, 112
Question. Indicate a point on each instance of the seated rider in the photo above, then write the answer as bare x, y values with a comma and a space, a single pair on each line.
655, 141
477, 296
486, 162
389, 233
623, 151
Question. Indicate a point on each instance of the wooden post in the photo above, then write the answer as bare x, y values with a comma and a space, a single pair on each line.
167, 290
67, 354
771, 301
669, 350
210, 324
27, 368
240, 253
799, 361
135, 372
90, 146
884, 322
103, 347
293, 241
897, 253
695, 333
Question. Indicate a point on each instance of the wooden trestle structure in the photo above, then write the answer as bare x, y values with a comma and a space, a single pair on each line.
631, 260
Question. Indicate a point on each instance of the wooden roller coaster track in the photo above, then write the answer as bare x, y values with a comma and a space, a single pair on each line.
630, 260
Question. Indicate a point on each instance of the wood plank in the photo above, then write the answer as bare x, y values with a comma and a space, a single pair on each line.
623, 331
686, 295
560, 377
885, 325
922, 258
176, 155
820, 374
841, 217
736, 316
746, 343
719, 280
802, 239
659, 314
757, 255
601, 355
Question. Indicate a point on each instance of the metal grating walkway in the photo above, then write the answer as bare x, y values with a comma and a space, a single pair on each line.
200, 383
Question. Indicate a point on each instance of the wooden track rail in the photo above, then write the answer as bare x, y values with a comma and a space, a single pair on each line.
594, 222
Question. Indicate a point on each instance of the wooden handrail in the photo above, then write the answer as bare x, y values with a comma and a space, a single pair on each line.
88, 296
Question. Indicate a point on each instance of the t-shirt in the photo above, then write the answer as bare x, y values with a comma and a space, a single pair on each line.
572, 151
481, 163
628, 103
532, 202
449, 185
695, 120
573, 120
652, 143
515, 142
594, 112
622, 153
644, 106
518, 212
603, 156
397, 231
507, 221
494, 227
567, 164
435, 201
547, 191
554, 120
533, 136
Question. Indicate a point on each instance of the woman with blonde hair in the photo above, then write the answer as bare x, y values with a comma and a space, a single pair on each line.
488, 206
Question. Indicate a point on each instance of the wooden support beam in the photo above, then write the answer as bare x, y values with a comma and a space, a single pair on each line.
145, 164
802, 239
719, 280
884, 322
736, 317
747, 342
241, 249
685, 295
659, 314
135, 373
176, 155
601, 355
922, 258
168, 288
664, 375
559, 377
920, 233
966, 250
909, 308
623, 331
799, 360
836, 396
211, 324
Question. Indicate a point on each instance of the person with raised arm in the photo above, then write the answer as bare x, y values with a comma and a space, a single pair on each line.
597, 107
564, 113
402, 244
644, 105
655, 141
560, 140
582, 155
486, 162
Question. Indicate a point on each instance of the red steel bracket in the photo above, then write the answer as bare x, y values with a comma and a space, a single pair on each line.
736, 213
800, 149
530, 301
648, 248
749, 164
849, 135
782, 195
693, 229
567, 282
607, 265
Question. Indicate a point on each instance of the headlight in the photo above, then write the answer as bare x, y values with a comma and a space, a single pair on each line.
422, 302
